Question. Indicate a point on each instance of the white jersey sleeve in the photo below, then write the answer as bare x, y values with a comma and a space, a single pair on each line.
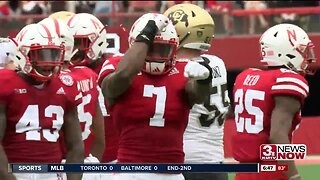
203, 138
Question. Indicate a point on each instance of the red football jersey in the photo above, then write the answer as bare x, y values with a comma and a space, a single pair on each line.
151, 116
35, 115
111, 133
253, 93
88, 93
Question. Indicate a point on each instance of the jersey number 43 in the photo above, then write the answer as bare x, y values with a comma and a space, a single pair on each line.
30, 123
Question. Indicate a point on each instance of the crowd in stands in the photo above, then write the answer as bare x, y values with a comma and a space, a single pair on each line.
220, 9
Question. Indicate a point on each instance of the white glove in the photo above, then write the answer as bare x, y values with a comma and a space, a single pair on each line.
91, 159
161, 21
196, 71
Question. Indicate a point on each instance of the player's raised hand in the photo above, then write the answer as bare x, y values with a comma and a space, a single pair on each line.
161, 21
198, 69
156, 23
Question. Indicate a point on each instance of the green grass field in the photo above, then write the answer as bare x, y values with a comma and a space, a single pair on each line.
307, 172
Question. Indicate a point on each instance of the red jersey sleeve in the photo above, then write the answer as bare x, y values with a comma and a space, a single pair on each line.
290, 83
108, 67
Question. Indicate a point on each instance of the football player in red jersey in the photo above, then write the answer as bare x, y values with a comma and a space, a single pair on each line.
89, 112
149, 94
35, 106
267, 103
90, 46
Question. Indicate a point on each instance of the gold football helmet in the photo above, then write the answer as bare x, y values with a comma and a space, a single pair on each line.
194, 25
62, 15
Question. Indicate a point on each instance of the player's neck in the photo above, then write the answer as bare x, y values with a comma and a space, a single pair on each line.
30, 79
275, 67
93, 64
184, 53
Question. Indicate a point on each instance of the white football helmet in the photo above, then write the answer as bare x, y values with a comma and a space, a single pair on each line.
287, 45
161, 56
62, 15
63, 31
40, 53
90, 37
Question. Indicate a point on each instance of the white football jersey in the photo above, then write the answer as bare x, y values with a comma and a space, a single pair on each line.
203, 137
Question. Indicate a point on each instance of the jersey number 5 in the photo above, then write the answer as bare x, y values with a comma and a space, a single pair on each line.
84, 117
245, 102
161, 93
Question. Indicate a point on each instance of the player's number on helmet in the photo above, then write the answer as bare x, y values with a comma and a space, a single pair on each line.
30, 123
222, 91
243, 101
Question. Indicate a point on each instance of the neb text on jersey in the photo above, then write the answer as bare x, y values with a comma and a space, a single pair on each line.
251, 80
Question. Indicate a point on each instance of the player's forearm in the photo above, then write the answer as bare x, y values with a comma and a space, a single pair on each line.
133, 60
4, 165
97, 148
75, 155
74, 176
130, 65
281, 124
281, 137
197, 92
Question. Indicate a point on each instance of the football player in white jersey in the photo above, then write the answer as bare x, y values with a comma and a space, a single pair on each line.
203, 138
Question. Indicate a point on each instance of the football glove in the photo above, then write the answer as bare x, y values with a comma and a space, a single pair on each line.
151, 29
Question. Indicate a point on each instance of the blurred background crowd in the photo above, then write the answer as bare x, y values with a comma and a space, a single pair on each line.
15, 14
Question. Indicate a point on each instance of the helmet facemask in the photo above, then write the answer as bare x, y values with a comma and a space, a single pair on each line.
160, 58
43, 62
84, 45
309, 58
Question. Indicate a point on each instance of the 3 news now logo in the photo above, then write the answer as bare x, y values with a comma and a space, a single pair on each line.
272, 152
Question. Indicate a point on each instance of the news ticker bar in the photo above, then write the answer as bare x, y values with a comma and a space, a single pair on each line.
122, 168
